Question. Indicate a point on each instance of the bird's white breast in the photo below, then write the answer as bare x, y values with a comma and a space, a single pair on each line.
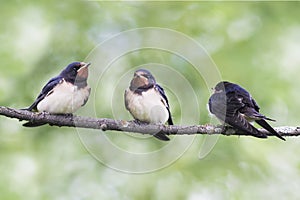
148, 107
64, 98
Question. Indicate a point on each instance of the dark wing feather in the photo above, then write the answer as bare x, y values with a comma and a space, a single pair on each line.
256, 107
170, 121
251, 111
266, 126
162, 136
251, 108
45, 91
238, 121
239, 108
162, 93
235, 107
226, 107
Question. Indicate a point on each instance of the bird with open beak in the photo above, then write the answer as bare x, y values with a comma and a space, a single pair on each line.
233, 105
147, 101
65, 93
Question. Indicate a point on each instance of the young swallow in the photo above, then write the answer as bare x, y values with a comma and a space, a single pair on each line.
233, 105
65, 93
147, 101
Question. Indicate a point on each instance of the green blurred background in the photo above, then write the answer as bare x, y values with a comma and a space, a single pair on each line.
255, 44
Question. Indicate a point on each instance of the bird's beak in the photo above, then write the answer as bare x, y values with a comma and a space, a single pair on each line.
83, 71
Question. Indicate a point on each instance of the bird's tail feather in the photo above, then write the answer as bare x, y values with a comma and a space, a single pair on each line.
273, 120
33, 109
266, 126
161, 136
34, 124
28, 109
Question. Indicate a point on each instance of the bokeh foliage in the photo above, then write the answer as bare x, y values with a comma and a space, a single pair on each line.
255, 44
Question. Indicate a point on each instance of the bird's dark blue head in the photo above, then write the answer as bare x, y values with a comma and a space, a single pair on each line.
225, 86
220, 87
142, 79
76, 72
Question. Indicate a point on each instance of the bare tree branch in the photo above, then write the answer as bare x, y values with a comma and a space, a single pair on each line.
129, 126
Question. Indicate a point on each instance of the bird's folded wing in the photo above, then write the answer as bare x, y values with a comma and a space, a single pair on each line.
47, 89
165, 101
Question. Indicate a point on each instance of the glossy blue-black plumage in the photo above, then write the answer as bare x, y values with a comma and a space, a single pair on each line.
46, 89
69, 74
233, 105
144, 84
162, 93
75, 74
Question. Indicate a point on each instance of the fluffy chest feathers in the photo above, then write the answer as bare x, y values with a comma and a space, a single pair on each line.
64, 98
149, 106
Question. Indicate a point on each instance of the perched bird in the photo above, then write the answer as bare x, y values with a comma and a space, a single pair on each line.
63, 94
233, 105
147, 101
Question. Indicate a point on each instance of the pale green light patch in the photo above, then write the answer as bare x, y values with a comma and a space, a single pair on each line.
32, 35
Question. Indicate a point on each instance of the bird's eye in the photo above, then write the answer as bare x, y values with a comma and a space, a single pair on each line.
77, 67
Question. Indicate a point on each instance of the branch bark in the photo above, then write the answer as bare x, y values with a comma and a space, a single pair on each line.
130, 126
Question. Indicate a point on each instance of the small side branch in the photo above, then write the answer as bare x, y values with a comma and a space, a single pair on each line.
129, 126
